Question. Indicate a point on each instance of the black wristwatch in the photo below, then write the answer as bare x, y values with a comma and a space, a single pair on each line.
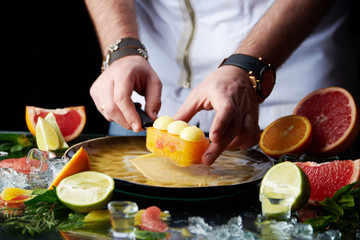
261, 75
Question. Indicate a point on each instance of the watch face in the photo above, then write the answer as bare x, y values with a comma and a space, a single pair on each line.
267, 81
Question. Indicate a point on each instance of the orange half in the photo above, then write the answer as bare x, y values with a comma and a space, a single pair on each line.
290, 134
78, 163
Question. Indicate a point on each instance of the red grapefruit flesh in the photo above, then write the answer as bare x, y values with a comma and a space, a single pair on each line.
20, 164
71, 120
334, 118
150, 220
326, 178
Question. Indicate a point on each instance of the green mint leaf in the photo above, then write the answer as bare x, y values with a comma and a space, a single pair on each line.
147, 235
49, 196
6, 146
344, 190
355, 192
39, 191
346, 201
321, 223
16, 148
74, 221
332, 207
12, 137
25, 141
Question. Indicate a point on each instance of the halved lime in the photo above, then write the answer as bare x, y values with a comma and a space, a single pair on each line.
46, 137
50, 118
86, 191
285, 186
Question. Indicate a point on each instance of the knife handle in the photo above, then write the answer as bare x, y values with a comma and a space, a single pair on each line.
146, 121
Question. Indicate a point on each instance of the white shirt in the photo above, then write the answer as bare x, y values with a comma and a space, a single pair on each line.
326, 58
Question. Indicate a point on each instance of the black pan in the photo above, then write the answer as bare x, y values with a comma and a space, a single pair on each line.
132, 146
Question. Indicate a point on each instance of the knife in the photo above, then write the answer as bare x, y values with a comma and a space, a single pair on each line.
145, 119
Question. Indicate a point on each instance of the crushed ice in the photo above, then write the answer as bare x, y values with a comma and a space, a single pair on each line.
269, 230
43, 167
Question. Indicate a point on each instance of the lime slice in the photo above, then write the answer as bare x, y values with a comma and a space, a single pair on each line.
98, 216
85, 191
284, 187
46, 137
50, 118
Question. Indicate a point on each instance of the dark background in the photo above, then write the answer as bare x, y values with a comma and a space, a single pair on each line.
51, 57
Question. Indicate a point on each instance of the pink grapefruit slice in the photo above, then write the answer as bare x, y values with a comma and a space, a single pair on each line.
326, 178
334, 119
71, 120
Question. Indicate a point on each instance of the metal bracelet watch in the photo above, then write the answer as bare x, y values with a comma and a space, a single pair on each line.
261, 75
122, 48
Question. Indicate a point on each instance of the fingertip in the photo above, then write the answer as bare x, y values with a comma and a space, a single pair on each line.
211, 154
209, 159
135, 127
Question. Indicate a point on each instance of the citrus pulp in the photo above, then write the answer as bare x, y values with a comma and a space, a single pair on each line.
10, 193
334, 118
290, 134
78, 163
86, 191
71, 120
326, 178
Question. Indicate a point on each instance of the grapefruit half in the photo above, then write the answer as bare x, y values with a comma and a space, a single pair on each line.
326, 178
71, 120
334, 118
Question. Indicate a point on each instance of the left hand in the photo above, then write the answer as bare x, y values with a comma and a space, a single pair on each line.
228, 91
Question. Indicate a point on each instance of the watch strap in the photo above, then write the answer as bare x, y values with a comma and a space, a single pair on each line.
245, 62
256, 69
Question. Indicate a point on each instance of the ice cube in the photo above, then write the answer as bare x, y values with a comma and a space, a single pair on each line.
3, 154
39, 174
236, 221
235, 226
11, 178
331, 234
275, 229
219, 233
197, 225
303, 231
54, 167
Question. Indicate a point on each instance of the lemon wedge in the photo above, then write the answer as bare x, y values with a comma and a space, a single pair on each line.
46, 136
50, 118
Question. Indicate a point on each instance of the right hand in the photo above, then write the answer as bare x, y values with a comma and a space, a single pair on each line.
112, 91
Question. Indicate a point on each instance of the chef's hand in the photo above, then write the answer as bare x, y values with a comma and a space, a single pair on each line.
112, 91
227, 91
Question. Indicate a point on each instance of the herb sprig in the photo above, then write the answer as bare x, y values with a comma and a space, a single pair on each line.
16, 144
43, 213
343, 211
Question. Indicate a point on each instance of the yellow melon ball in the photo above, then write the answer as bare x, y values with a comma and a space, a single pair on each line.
161, 123
192, 134
176, 127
